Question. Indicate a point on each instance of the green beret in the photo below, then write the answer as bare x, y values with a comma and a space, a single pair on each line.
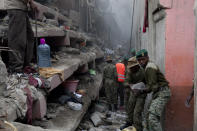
126, 58
142, 53
133, 50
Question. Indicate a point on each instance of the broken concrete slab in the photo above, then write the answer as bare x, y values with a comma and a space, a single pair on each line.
96, 119
70, 64
45, 9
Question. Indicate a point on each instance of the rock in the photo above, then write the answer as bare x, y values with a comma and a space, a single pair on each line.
96, 119
96, 129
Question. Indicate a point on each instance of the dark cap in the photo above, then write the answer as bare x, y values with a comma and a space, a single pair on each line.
142, 53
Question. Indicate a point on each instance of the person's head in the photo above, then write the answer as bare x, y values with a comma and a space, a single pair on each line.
125, 60
133, 52
133, 65
142, 57
108, 59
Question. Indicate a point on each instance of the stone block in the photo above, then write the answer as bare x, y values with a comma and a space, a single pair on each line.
40, 107
96, 119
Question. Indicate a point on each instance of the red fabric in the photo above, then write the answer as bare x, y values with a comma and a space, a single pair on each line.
29, 70
29, 105
34, 82
146, 24
120, 67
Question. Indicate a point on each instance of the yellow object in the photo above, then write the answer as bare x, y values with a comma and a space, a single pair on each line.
49, 72
130, 128
11, 125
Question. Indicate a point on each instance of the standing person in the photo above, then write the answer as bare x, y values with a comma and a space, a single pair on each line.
110, 84
20, 34
135, 103
156, 83
120, 68
127, 90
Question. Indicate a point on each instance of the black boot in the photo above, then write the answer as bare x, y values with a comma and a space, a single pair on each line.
125, 126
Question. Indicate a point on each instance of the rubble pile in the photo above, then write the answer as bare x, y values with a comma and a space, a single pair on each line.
99, 118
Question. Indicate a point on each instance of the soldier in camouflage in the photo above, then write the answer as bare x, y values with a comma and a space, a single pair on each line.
156, 83
110, 84
134, 102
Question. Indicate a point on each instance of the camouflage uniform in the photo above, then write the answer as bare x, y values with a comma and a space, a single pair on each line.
110, 83
156, 83
134, 104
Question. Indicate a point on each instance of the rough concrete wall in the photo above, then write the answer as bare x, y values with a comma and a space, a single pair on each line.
154, 39
138, 18
195, 70
179, 63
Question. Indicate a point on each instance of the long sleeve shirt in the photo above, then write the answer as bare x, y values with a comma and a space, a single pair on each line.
110, 72
154, 78
133, 78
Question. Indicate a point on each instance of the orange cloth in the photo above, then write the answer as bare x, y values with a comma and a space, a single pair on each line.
120, 67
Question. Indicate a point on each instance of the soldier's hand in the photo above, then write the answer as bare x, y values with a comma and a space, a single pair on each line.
136, 92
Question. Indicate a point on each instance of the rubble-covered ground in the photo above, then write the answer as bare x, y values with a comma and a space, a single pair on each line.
99, 118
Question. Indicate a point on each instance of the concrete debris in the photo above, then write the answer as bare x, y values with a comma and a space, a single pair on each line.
74, 106
52, 22
96, 119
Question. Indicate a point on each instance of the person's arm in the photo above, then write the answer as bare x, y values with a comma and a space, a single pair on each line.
151, 80
189, 98
34, 6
